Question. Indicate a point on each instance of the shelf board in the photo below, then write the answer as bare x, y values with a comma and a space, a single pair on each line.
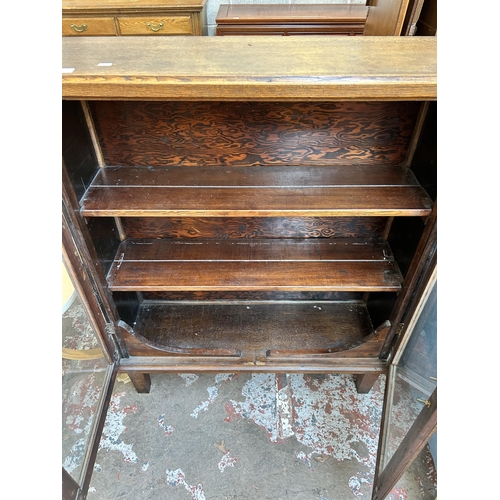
255, 192
259, 264
253, 329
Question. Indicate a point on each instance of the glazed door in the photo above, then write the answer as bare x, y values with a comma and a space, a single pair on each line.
89, 366
410, 407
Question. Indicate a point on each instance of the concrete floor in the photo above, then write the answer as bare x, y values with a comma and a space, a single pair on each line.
229, 436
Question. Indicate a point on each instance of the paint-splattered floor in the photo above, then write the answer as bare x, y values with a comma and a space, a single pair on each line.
233, 436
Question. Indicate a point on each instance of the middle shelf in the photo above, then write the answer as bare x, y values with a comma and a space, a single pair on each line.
256, 191
340, 264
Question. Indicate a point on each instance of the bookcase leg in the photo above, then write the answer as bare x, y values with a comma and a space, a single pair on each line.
365, 382
141, 381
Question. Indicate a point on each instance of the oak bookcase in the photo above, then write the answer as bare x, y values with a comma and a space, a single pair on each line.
240, 211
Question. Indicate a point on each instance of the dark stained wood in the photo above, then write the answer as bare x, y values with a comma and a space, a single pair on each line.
291, 19
319, 276
236, 175
255, 191
141, 381
427, 22
309, 265
422, 263
221, 364
254, 227
369, 348
242, 328
256, 202
260, 177
232, 328
364, 383
251, 295
70, 488
82, 261
346, 249
254, 133
246, 68
79, 157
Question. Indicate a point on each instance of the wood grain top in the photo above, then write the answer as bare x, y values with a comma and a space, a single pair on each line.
80, 6
290, 13
250, 68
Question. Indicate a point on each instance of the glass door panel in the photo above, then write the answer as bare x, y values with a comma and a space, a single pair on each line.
410, 406
84, 374
414, 376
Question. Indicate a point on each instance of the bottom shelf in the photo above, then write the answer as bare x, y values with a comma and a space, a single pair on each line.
252, 329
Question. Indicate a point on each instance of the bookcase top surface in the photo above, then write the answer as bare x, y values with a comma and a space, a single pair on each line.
250, 68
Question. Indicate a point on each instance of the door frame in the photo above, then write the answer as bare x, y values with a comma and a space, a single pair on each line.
387, 475
85, 278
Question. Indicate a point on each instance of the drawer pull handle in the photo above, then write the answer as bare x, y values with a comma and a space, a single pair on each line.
155, 27
79, 29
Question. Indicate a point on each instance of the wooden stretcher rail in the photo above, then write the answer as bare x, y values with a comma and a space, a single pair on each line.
220, 364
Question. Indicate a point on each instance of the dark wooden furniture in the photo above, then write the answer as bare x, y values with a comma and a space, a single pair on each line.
401, 17
246, 213
141, 17
291, 19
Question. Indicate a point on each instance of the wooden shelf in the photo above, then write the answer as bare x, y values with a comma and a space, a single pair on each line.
264, 265
255, 191
274, 329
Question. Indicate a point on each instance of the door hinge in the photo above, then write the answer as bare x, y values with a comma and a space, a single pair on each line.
413, 29
399, 328
111, 331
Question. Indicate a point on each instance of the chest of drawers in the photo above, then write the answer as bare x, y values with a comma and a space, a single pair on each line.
294, 19
143, 17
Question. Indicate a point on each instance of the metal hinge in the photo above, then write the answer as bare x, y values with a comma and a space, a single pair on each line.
399, 328
413, 29
111, 331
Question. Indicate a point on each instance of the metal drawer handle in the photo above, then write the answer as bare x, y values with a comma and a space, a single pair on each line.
155, 27
79, 29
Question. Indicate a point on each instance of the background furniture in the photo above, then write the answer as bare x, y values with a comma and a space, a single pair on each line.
142, 17
291, 19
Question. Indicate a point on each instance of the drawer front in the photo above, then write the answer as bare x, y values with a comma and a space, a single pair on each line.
88, 26
284, 29
168, 25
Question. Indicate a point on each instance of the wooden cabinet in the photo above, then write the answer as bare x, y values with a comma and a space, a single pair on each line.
291, 19
143, 17
246, 212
